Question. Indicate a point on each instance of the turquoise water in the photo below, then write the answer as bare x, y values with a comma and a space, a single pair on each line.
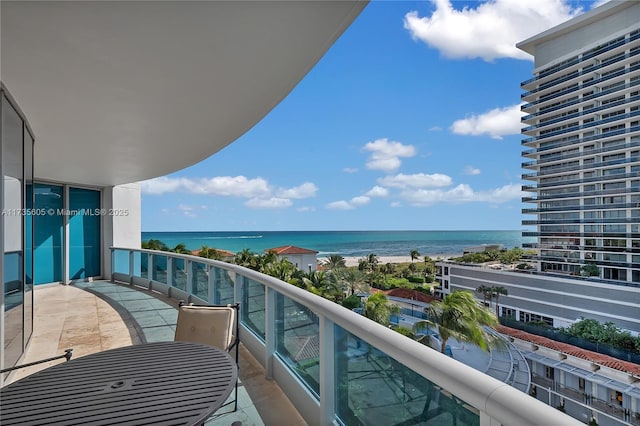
345, 243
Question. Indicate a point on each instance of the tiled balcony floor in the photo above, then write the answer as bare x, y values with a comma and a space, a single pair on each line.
96, 316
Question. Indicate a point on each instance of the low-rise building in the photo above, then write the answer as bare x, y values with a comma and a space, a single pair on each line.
303, 258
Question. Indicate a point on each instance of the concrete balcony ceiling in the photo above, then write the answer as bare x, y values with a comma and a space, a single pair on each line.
122, 91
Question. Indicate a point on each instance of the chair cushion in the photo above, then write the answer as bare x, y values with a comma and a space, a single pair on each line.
209, 325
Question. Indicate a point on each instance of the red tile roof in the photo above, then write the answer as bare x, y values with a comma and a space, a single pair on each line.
223, 253
406, 293
291, 250
597, 358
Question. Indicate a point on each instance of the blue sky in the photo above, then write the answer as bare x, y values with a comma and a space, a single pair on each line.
410, 121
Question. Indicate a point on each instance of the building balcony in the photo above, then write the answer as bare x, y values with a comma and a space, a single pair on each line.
96, 316
332, 365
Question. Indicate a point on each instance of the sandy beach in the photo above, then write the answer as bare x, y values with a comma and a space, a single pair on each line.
383, 260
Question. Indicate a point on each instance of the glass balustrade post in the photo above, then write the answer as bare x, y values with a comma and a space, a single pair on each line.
270, 330
327, 371
190, 281
131, 266
150, 267
170, 267
113, 264
211, 281
237, 287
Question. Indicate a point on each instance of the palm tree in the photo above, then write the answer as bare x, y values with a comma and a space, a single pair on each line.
353, 280
181, 249
209, 253
284, 270
429, 266
154, 245
486, 292
414, 255
335, 261
389, 268
496, 291
459, 315
245, 258
378, 308
318, 282
371, 262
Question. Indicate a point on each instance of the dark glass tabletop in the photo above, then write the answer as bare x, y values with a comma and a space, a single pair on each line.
170, 383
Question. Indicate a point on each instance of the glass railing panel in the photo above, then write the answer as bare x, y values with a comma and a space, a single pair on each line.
159, 268
142, 262
373, 388
199, 280
223, 287
179, 274
298, 341
253, 307
121, 262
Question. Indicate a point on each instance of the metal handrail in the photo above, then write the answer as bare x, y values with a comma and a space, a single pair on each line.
67, 355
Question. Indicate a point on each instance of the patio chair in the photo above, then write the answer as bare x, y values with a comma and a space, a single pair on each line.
214, 325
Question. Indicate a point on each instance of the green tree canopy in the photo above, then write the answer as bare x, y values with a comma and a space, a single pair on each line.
335, 261
378, 308
460, 316
154, 245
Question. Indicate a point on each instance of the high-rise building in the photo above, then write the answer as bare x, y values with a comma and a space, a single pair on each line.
582, 160
582, 144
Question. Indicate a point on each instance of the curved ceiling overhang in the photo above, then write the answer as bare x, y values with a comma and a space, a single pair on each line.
122, 91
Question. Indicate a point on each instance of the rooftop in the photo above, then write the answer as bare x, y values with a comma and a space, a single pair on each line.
291, 250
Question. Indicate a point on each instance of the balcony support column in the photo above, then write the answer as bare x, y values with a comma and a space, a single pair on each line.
188, 285
113, 266
131, 265
269, 331
327, 371
211, 292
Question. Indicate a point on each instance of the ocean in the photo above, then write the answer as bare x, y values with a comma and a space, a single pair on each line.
345, 243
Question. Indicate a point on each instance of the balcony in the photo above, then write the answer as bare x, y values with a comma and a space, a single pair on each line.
332, 364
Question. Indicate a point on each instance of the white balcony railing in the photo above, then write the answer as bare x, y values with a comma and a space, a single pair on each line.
336, 367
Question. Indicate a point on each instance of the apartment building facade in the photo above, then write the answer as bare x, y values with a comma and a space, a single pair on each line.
582, 151
582, 144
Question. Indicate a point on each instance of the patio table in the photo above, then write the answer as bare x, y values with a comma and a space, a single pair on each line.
175, 383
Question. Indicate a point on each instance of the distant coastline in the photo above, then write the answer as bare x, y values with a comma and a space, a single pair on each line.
349, 244
383, 260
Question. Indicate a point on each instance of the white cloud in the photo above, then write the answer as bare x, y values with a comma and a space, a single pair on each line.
350, 170
462, 193
489, 31
496, 123
385, 154
305, 190
435, 129
360, 201
340, 205
470, 170
377, 191
417, 180
349, 205
161, 185
268, 203
238, 186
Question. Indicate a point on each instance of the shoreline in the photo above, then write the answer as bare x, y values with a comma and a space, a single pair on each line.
383, 260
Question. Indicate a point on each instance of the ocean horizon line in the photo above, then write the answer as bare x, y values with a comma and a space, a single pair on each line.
348, 230
347, 243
